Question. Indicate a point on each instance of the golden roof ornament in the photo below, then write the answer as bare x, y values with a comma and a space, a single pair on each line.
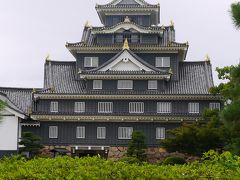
125, 45
48, 57
170, 71
207, 58
88, 25
171, 23
127, 20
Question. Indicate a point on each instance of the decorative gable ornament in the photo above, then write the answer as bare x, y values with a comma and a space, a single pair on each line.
125, 62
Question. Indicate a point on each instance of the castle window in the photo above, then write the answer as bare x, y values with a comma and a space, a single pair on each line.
119, 38
134, 38
152, 84
162, 61
125, 132
193, 108
136, 107
97, 84
164, 107
80, 132
125, 84
213, 106
91, 62
54, 107
53, 132
105, 107
160, 133
101, 133
79, 107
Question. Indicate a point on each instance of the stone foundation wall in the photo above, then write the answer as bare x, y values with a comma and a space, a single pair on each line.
153, 154
115, 153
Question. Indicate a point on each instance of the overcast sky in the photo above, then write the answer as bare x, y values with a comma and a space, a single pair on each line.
30, 29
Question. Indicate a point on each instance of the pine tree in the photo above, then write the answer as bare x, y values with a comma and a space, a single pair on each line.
235, 13
137, 146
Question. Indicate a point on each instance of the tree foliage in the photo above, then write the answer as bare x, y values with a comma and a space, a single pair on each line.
197, 138
2, 105
30, 144
230, 116
137, 146
235, 13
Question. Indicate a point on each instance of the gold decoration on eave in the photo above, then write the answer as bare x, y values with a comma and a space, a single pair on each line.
171, 23
125, 45
207, 58
48, 57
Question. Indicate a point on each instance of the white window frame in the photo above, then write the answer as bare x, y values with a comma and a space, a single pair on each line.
101, 132
160, 133
97, 84
105, 107
125, 132
91, 61
194, 108
213, 106
80, 132
136, 107
160, 62
79, 107
164, 107
53, 132
54, 106
125, 84
152, 84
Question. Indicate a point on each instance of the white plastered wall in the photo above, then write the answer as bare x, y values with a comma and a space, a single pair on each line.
8, 131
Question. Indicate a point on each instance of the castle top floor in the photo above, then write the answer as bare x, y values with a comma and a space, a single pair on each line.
139, 11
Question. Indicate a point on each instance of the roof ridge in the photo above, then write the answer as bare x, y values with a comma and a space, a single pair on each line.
18, 88
55, 61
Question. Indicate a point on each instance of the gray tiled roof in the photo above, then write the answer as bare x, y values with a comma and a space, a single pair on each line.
61, 77
20, 97
195, 78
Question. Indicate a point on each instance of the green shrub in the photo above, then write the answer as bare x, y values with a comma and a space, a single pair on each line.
174, 160
224, 166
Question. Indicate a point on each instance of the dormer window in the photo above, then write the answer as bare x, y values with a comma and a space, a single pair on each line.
125, 84
162, 61
91, 62
97, 84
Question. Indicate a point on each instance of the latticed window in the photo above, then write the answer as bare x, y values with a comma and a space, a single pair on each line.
193, 108
105, 107
213, 106
160, 133
162, 61
125, 132
53, 132
101, 133
164, 107
125, 84
97, 84
80, 132
136, 107
152, 84
54, 106
79, 107
90, 61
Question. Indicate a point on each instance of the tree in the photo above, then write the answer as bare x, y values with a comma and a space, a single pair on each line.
197, 138
235, 13
30, 143
137, 146
230, 115
2, 105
